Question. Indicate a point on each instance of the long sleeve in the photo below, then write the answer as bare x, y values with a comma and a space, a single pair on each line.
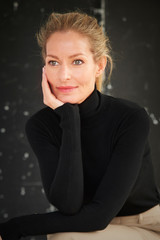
111, 194
60, 166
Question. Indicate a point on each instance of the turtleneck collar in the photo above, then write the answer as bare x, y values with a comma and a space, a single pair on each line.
88, 107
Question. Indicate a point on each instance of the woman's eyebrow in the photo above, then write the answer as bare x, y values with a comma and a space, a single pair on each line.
74, 55
53, 56
77, 54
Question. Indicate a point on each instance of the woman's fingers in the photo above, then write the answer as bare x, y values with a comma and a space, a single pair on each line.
48, 97
45, 86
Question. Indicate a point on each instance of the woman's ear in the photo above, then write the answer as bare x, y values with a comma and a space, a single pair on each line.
101, 64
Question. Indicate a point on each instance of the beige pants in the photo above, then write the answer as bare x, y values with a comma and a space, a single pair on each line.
144, 226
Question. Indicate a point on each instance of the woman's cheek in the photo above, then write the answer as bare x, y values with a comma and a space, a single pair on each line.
50, 75
51, 79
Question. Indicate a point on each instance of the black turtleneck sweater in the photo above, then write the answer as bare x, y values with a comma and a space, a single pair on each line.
95, 164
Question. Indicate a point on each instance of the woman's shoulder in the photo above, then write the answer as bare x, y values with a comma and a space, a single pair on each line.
119, 110
124, 112
121, 105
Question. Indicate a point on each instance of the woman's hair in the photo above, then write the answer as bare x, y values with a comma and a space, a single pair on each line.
83, 24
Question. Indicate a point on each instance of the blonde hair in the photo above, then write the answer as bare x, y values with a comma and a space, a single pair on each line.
83, 24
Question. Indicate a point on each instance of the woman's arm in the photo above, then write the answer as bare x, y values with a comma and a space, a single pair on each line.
60, 166
110, 196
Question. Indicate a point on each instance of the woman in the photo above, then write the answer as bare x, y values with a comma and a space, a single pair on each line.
92, 149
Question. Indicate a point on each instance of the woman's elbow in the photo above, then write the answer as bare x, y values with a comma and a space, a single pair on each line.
98, 222
67, 208
101, 226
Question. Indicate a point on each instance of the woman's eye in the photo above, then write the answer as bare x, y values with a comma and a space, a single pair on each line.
53, 63
78, 62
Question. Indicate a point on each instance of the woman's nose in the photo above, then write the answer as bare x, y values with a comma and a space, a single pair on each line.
64, 73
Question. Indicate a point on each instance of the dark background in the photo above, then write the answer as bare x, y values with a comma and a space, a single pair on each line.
134, 31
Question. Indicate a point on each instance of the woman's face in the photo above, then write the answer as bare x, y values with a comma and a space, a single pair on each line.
70, 67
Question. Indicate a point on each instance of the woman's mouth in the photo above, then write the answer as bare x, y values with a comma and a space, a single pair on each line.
66, 89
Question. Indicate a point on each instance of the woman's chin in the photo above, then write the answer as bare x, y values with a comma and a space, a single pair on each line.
68, 100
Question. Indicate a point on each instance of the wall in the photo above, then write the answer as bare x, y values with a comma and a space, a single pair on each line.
134, 30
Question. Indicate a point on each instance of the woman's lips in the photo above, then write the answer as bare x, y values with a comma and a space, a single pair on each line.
66, 88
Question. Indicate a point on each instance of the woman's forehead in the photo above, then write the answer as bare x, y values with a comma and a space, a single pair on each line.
69, 42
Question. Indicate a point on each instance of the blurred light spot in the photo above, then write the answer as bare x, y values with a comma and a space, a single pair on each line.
154, 120
42, 190
6, 108
15, 6
42, 10
2, 130
109, 86
21, 135
146, 108
25, 156
51, 209
31, 165
29, 174
1, 196
0, 171
23, 177
23, 191
1, 154
5, 215
124, 19
25, 113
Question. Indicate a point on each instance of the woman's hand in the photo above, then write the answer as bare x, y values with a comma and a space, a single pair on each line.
0, 238
48, 97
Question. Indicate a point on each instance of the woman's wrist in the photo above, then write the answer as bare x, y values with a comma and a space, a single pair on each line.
69, 114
